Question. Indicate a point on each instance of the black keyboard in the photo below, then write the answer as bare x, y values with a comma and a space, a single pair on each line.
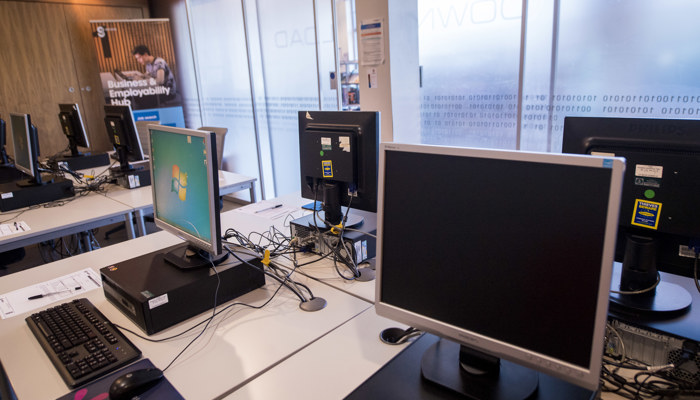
81, 342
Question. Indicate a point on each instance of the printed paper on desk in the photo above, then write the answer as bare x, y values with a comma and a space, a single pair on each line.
267, 209
18, 301
13, 228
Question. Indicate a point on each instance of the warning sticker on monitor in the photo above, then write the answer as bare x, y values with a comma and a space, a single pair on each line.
649, 171
326, 144
648, 182
327, 166
646, 214
345, 143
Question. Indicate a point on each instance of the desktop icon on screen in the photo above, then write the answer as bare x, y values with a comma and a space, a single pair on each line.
179, 182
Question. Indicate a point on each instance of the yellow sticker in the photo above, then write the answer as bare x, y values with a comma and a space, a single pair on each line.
646, 214
327, 166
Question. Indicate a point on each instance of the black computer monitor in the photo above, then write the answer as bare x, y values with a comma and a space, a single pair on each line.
506, 255
185, 185
659, 215
25, 143
73, 128
122, 132
338, 161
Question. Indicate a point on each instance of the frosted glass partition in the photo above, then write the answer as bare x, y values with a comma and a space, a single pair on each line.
224, 84
470, 55
288, 46
626, 58
638, 58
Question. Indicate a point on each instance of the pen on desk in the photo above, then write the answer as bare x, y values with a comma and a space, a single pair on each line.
92, 279
38, 296
269, 208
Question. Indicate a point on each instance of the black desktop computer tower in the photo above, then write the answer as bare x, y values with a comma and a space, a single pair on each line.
156, 295
84, 161
361, 241
12, 196
139, 175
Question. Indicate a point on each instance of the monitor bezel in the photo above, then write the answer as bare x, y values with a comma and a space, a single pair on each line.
31, 146
213, 246
80, 138
585, 377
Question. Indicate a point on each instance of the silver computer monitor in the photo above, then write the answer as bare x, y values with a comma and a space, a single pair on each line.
25, 145
506, 255
185, 186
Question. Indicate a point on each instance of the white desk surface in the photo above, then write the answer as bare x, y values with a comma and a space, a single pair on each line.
241, 344
330, 368
322, 270
79, 213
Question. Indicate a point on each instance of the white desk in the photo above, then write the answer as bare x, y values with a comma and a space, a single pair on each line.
331, 367
79, 214
322, 270
240, 345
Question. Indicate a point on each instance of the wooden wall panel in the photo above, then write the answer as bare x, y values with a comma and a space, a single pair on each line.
49, 58
78, 20
38, 70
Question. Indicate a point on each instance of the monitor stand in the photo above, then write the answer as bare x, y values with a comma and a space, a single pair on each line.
189, 257
353, 221
639, 288
475, 374
44, 178
667, 298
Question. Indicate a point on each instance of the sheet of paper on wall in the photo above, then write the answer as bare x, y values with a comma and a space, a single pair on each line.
372, 42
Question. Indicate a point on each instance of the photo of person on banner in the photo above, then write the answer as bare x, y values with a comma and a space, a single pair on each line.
158, 69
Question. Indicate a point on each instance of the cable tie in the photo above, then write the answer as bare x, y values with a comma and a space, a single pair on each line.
266, 258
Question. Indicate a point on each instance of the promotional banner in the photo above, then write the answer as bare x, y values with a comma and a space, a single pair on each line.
137, 67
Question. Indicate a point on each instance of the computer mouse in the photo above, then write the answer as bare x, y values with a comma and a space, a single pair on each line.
134, 383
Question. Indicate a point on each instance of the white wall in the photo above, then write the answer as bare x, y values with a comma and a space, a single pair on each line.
397, 93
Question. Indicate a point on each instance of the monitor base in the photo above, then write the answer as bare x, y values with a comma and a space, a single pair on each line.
353, 221
188, 257
669, 298
441, 365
